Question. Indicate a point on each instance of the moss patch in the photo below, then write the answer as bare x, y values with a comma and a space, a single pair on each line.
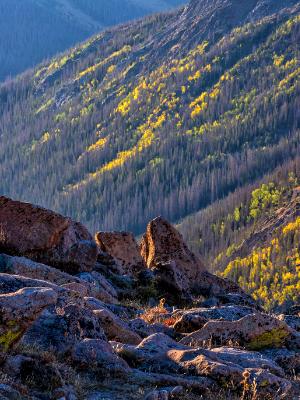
273, 338
10, 336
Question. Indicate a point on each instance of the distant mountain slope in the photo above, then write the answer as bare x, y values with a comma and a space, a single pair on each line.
31, 30
252, 237
162, 116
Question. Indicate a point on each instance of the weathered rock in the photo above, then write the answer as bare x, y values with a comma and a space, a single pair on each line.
244, 358
223, 365
59, 329
43, 376
98, 354
18, 310
255, 331
124, 250
9, 393
199, 384
151, 353
144, 330
30, 269
117, 309
165, 394
12, 283
66, 392
116, 329
179, 272
288, 360
194, 319
162, 243
292, 320
230, 365
78, 288
44, 236
102, 288
87, 284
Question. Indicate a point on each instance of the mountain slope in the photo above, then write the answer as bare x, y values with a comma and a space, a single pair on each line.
252, 237
162, 116
32, 30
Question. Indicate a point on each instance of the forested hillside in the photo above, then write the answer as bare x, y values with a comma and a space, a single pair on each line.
194, 111
31, 30
163, 116
252, 237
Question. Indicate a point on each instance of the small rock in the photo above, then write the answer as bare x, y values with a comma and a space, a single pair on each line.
144, 330
76, 287
191, 320
30, 269
102, 288
165, 394
64, 393
116, 329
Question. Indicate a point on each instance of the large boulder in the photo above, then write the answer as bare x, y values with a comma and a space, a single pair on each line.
18, 310
255, 331
123, 248
45, 236
162, 243
179, 273
164, 251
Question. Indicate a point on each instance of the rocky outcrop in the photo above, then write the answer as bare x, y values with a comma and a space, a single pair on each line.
222, 365
123, 248
256, 331
29, 273
165, 252
86, 335
179, 273
18, 311
12, 283
44, 236
162, 243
